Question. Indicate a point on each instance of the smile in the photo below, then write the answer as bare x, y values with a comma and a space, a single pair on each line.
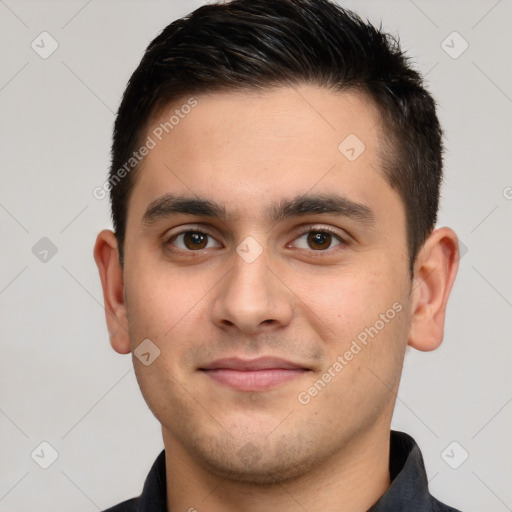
253, 375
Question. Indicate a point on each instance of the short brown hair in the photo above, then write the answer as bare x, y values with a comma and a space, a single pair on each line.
247, 44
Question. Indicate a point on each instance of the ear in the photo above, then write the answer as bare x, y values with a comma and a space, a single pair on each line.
434, 273
106, 255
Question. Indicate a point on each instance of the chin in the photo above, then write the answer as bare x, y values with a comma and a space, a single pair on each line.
261, 463
265, 475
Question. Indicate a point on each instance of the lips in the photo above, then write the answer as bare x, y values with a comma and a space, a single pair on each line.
258, 374
261, 363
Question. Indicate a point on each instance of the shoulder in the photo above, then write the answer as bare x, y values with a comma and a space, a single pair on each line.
437, 506
125, 506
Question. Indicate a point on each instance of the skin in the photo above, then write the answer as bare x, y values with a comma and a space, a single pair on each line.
228, 449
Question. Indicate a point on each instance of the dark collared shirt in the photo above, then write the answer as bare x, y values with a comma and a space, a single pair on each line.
408, 491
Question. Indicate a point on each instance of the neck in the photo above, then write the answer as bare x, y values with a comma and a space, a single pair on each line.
350, 481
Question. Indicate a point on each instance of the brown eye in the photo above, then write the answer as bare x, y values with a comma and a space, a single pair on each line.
188, 241
320, 240
193, 240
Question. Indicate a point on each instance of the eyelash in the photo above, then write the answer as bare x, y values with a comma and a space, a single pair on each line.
312, 229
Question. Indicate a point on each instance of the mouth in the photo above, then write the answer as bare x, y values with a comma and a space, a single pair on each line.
258, 374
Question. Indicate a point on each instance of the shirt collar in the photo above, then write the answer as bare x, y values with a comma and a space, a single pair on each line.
154, 493
408, 490
409, 485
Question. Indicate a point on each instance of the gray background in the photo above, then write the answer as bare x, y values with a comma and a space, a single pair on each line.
60, 381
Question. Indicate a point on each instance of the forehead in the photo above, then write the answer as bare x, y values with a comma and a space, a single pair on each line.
249, 149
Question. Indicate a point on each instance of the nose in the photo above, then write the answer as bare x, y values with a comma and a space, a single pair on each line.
252, 298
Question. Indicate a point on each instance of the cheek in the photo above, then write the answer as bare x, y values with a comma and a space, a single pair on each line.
364, 327
166, 308
363, 318
344, 303
161, 301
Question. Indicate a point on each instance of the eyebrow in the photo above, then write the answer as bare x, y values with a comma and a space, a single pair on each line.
300, 206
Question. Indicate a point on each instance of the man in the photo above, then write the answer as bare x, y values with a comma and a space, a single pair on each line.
274, 185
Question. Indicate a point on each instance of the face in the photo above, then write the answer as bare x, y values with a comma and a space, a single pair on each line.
266, 259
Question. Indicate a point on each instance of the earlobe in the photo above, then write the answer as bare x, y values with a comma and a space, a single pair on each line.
106, 256
435, 270
119, 341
